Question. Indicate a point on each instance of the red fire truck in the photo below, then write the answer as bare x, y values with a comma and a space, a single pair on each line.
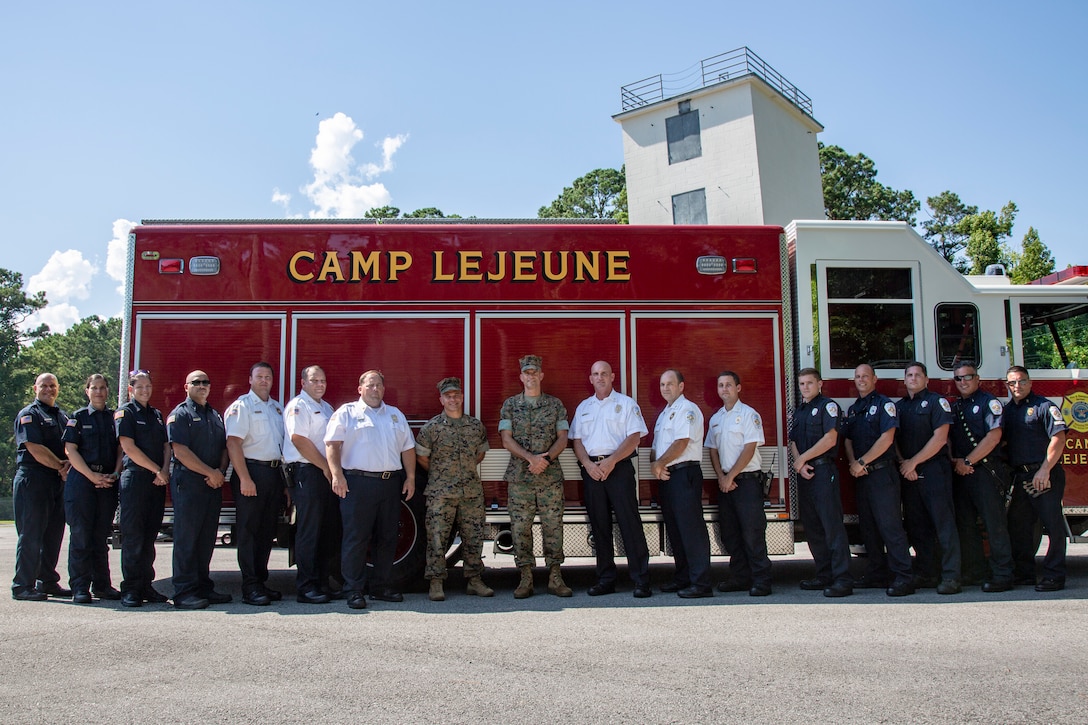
426, 301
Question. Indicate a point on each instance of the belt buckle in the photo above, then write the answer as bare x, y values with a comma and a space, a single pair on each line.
386, 475
275, 464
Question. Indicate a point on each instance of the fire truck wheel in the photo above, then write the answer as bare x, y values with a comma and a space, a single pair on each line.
411, 553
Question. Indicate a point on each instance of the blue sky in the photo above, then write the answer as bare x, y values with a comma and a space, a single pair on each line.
124, 111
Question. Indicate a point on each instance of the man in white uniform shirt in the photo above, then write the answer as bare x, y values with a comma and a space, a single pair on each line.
606, 429
317, 508
678, 452
372, 457
254, 426
734, 437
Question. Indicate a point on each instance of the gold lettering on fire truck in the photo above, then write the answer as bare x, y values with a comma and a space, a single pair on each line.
463, 266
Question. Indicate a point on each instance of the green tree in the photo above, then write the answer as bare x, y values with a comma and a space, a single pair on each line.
985, 234
851, 190
92, 345
15, 385
1034, 260
600, 194
944, 231
429, 212
382, 212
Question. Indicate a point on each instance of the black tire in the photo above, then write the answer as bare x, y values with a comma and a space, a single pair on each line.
410, 558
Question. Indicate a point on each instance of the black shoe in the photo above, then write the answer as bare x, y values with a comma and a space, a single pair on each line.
837, 590
996, 586
81, 597
108, 593
314, 596
356, 600
1050, 585
925, 582
867, 583
900, 589
29, 595
760, 590
152, 595
671, 588
643, 591
695, 592
256, 598
1024, 581
53, 589
602, 588
949, 586
387, 595
272, 594
335, 594
191, 602
215, 597
131, 599
732, 585
815, 585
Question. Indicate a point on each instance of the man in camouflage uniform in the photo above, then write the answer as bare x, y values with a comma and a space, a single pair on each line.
533, 427
449, 447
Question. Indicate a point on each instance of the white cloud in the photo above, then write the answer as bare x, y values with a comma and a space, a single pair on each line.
59, 316
117, 252
65, 277
337, 189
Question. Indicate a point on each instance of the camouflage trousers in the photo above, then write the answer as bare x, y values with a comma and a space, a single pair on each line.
526, 502
467, 512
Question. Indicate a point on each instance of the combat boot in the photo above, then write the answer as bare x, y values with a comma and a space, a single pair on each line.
437, 595
556, 585
476, 586
525, 587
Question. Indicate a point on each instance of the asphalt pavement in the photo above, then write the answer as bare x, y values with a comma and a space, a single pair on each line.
792, 657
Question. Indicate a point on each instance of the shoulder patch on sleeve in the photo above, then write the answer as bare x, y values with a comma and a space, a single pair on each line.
832, 409
170, 419
1056, 414
233, 409
995, 406
26, 419
72, 423
119, 415
756, 421
945, 406
889, 408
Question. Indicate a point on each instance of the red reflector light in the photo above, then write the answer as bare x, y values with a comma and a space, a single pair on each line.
171, 266
744, 265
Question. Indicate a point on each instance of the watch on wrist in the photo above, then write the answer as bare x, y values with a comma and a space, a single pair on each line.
547, 457
861, 462
967, 462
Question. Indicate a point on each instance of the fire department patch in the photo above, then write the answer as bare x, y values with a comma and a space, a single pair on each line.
995, 407
889, 408
690, 417
945, 406
1075, 411
1056, 414
833, 409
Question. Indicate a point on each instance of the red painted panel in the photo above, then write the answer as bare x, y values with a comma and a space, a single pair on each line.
461, 262
413, 353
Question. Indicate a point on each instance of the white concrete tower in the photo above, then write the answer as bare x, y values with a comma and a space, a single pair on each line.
732, 143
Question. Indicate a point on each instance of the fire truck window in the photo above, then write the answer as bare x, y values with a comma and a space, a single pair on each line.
957, 335
870, 317
879, 334
683, 137
689, 207
1055, 335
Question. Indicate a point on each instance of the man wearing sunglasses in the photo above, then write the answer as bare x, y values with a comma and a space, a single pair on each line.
198, 440
1035, 433
980, 481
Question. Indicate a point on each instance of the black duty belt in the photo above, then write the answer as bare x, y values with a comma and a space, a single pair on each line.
748, 474
270, 464
96, 467
1027, 467
685, 464
383, 475
824, 461
877, 465
598, 459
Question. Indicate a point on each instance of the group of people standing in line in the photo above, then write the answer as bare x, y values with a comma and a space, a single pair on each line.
346, 471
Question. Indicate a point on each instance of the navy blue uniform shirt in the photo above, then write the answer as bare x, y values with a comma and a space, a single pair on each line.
868, 419
982, 412
92, 432
918, 418
145, 426
42, 424
1028, 427
200, 427
812, 420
